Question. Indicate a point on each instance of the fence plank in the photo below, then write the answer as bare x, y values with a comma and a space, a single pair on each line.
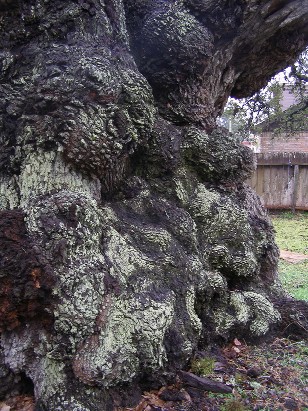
281, 180
295, 188
302, 194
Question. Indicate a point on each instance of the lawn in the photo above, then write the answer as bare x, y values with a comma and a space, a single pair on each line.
292, 235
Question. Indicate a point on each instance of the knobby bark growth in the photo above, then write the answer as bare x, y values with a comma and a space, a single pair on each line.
128, 235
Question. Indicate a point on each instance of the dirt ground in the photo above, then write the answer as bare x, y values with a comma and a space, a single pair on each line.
292, 257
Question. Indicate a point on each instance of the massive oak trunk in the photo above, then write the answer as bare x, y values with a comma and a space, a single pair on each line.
128, 237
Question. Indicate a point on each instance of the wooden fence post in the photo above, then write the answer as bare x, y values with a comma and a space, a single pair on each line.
295, 187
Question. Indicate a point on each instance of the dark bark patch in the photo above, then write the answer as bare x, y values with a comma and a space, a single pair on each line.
25, 283
294, 318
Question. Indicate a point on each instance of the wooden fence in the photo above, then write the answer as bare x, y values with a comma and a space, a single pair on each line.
281, 180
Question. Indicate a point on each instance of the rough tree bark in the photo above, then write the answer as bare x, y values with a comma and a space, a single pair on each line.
128, 237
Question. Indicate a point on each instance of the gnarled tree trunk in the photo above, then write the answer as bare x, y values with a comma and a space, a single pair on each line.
128, 236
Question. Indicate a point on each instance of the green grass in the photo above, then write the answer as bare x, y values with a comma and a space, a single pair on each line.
291, 231
292, 235
234, 405
294, 278
203, 366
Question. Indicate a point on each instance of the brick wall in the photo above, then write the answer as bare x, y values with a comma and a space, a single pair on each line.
298, 143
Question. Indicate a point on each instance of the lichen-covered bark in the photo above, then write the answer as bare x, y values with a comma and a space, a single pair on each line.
195, 53
128, 237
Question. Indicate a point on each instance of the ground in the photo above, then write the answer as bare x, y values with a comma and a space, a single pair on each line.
268, 377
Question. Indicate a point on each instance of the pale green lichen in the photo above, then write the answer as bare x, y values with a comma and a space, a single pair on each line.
178, 27
133, 270
51, 375
76, 316
190, 304
79, 270
71, 405
245, 264
241, 309
157, 236
133, 336
109, 216
194, 137
184, 186
9, 198
201, 205
216, 281
181, 192
264, 314
220, 255
223, 321
187, 348
225, 227
250, 309
124, 257
46, 172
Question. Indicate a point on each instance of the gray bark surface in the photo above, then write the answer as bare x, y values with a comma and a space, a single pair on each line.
128, 237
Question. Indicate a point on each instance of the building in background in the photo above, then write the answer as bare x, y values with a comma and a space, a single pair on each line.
272, 140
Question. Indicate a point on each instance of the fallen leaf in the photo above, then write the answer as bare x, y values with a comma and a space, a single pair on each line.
237, 342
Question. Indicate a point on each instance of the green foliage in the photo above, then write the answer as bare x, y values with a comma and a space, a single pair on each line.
203, 366
222, 396
249, 116
299, 74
